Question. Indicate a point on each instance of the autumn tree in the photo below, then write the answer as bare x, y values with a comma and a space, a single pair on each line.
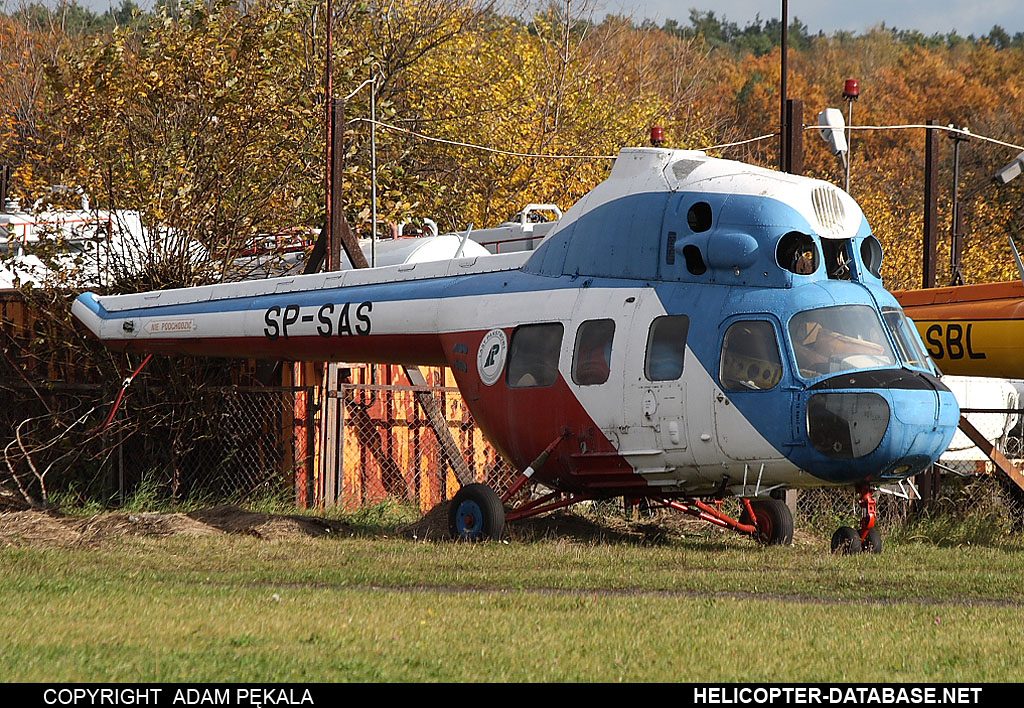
547, 83
902, 82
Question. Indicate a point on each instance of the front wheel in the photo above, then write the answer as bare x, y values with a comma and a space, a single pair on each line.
476, 514
873, 543
774, 522
846, 541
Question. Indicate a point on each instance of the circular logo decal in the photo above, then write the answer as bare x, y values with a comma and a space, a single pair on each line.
490, 357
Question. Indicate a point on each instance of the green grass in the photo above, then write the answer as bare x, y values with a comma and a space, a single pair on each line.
150, 497
237, 608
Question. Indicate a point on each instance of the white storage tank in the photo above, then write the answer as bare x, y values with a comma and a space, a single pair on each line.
398, 251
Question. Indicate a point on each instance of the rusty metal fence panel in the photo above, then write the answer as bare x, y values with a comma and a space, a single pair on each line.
403, 442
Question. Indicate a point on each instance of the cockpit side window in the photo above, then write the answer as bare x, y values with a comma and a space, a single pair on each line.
907, 342
837, 258
750, 357
533, 355
871, 254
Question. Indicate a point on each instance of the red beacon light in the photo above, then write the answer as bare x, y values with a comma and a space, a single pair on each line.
851, 89
657, 136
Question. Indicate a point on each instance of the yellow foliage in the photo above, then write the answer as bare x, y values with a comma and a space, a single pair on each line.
213, 120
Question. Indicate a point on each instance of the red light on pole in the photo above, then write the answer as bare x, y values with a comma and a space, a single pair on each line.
851, 92
657, 136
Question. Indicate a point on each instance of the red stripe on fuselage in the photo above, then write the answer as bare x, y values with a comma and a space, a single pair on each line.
522, 422
423, 349
519, 422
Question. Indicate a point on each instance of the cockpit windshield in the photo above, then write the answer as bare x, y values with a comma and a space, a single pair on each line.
831, 340
907, 343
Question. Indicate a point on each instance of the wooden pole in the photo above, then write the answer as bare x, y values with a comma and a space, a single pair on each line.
928, 483
795, 136
329, 133
337, 165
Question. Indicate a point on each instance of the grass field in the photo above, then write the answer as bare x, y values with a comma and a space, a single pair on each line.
370, 608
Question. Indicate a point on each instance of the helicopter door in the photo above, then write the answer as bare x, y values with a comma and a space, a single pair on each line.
664, 390
600, 348
654, 394
750, 368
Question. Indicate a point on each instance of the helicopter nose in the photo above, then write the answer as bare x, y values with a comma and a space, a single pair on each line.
893, 430
923, 426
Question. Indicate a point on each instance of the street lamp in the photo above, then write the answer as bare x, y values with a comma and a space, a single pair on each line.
830, 122
1003, 176
1010, 171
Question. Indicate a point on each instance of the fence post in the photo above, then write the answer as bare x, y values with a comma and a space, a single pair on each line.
329, 457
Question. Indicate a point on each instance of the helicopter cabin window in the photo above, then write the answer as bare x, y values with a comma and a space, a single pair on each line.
666, 347
797, 253
699, 217
750, 356
592, 356
871, 254
837, 257
831, 340
533, 355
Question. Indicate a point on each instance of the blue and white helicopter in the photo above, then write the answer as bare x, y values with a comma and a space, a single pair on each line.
693, 328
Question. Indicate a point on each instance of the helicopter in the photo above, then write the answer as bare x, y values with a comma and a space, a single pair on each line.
692, 329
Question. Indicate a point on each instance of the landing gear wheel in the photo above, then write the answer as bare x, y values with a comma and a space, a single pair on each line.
873, 543
476, 514
774, 522
846, 541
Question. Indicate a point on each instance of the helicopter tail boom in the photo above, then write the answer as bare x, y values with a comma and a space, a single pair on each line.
381, 315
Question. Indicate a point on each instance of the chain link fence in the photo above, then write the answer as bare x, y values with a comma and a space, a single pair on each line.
220, 443
347, 442
223, 443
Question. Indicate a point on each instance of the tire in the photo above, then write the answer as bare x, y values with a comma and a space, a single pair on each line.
846, 541
476, 514
774, 522
873, 543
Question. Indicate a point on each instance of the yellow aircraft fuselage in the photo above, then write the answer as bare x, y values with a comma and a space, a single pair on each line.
971, 330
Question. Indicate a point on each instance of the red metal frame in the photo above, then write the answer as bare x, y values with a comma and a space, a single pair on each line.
868, 514
705, 512
690, 506
528, 473
541, 505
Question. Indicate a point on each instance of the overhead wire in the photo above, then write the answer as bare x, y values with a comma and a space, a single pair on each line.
947, 128
722, 146
497, 151
740, 142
